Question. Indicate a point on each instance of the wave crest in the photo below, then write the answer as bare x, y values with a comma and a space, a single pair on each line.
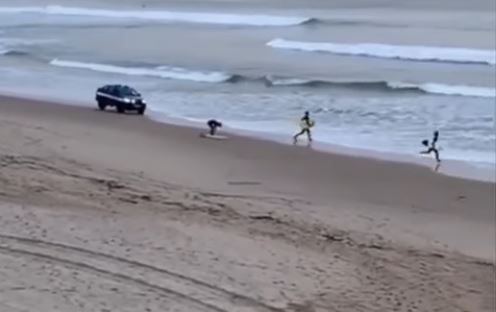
167, 72
413, 53
177, 73
167, 16
443, 89
431, 88
7, 52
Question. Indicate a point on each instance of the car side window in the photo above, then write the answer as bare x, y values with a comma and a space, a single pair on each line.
126, 91
119, 91
114, 91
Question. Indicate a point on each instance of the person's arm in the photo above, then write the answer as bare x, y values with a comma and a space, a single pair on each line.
307, 121
435, 138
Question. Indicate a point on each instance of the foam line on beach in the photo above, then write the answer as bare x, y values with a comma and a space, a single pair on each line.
405, 52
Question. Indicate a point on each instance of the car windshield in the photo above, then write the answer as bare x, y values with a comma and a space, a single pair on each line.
127, 91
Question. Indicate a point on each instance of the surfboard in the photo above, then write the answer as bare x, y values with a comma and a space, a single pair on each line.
304, 125
213, 137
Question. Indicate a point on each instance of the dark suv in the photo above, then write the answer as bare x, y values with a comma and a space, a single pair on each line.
122, 97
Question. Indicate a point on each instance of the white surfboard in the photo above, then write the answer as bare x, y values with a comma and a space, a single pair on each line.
213, 137
304, 125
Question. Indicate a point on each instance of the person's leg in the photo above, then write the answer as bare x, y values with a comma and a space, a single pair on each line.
212, 130
309, 135
295, 137
437, 166
428, 151
436, 154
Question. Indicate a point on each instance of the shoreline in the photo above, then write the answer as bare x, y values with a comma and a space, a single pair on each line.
450, 167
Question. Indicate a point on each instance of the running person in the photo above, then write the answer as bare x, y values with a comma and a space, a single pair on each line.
432, 148
306, 123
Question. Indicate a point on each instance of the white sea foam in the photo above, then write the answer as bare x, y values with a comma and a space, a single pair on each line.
165, 16
432, 88
416, 53
167, 72
443, 89
287, 81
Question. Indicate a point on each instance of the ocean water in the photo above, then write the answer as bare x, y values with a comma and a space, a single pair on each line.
378, 75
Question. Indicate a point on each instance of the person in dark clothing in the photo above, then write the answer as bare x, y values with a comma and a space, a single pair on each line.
305, 123
213, 125
432, 147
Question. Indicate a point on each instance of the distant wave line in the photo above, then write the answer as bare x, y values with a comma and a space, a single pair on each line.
415, 53
165, 16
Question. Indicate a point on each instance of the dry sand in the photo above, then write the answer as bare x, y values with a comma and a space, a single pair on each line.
108, 212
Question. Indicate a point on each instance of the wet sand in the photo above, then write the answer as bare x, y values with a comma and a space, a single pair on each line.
108, 212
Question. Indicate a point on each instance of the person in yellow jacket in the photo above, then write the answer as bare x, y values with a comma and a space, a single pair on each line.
306, 124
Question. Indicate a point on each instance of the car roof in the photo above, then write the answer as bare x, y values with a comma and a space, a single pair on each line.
117, 87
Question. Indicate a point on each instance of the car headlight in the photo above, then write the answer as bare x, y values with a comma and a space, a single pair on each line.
126, 100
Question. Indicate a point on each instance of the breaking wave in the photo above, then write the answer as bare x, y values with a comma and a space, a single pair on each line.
414, 53
167, 72
178, 73
7, 52
166, 16
432, 88
443, 89
17, 46
8, 46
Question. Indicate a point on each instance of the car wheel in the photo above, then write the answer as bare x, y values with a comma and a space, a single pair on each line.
141, 111
120, 109
101, 106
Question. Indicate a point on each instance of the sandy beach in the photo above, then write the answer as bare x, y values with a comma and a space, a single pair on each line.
108, 212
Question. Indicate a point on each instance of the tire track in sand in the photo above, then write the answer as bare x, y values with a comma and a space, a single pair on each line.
192, 292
